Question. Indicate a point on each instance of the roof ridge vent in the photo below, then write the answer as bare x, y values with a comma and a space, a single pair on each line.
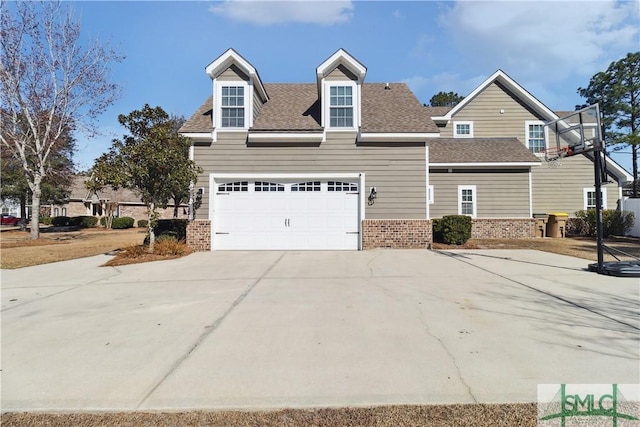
387, 86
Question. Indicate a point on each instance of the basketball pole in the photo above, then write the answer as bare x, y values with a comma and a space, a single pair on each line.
597, 164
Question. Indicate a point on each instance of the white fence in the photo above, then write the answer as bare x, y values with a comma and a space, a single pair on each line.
633, 205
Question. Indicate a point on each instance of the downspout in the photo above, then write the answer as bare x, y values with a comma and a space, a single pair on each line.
426, 162
191, 210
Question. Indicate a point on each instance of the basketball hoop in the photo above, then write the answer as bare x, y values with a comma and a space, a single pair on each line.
576, 133
553, 156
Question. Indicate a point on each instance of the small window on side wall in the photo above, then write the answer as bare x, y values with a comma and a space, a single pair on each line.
535, 136
467, 200
463, 129
589, 195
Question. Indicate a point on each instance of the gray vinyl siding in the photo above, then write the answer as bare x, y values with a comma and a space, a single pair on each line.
499, 194
554, 190
233, 73
257, 104
397, 171
484, 112
340, 73
562, 189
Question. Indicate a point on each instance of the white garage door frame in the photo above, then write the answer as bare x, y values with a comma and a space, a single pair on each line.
216, 178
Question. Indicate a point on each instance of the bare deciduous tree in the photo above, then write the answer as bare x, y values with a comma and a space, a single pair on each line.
49, 84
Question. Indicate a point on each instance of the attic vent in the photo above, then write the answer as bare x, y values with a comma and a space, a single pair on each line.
387, 86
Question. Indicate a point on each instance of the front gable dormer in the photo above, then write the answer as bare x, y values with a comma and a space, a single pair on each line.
238, 92
339, 81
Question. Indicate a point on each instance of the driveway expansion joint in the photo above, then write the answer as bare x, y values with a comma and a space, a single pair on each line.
68, 288
208, 330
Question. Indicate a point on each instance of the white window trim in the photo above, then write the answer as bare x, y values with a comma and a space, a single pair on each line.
587, 190
455, 129
527, 123
474, 201
217, 105
326, 104
430, 194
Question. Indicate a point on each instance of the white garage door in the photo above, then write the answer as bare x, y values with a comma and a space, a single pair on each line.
280, 215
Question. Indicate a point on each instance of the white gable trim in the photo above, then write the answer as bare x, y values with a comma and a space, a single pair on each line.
231, 57
617, 170
513, 86
341, 57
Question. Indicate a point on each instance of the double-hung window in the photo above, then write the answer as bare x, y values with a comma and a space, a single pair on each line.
341, 106
590, 198
535, 137
467, 200
232, 113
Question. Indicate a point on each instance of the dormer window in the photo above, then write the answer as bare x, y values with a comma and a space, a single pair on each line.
341, 107
232, 104
340, 80
237, 91
232, 110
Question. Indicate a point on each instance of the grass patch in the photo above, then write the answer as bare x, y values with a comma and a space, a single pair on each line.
471, 415
18, 250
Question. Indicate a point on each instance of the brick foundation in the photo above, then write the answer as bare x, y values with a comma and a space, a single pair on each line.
397, 233
514, 228
199, 235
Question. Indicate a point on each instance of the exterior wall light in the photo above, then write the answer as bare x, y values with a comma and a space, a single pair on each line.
372, 195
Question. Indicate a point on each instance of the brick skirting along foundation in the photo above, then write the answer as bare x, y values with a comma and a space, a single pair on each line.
514, 228
397, 233
199, 235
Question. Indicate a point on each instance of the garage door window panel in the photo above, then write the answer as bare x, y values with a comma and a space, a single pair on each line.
265, 186
306, 186
230, 187
342, 186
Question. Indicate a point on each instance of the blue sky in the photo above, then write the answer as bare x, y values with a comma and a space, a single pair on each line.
549, 47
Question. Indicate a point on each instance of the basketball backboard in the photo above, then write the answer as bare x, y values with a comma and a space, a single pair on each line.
575, 133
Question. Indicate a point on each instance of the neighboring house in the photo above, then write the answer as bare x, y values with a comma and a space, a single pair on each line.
343, 164
10, 206
83, 202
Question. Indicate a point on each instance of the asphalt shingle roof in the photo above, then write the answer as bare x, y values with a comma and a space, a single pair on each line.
393, 110
479, 150
201, 120
78, 191
437, 111
295, 107
291, 106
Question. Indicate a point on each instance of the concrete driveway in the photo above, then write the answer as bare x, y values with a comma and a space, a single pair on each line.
295, 329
